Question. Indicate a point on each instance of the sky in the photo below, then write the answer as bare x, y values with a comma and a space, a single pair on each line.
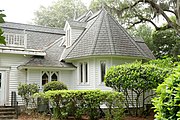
22, 11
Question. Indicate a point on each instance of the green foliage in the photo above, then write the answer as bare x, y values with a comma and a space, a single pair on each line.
165, 63
167, 102
82, 102
133, 12
26, 91
145, 32
115, 108
2, 38
54, 85
60, 11
136, 77
166, 43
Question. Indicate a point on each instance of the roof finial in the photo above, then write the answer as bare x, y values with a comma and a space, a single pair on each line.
103, 5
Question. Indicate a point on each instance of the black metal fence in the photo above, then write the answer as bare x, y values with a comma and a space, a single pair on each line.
14, 102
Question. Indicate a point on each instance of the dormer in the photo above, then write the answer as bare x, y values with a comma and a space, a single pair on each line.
68, 36
73, 30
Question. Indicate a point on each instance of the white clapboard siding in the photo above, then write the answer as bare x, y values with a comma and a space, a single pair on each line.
34, 76
66, 77
14, 76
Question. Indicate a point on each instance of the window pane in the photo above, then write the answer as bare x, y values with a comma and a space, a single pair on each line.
44, 79
0, 79
81, 72
86, 72
54, 77
103, 71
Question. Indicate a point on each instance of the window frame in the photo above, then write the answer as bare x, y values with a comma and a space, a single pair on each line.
68, 36
105, 68
15, 40
83, 72
49, 74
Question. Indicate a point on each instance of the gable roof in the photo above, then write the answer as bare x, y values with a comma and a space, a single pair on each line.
140, 42
53, 53
104, 36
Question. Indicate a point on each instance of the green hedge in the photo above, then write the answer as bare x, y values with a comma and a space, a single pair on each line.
84, 102
167, 102
54, 85
137, 78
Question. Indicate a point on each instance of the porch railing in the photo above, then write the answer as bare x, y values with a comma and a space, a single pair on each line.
15, 40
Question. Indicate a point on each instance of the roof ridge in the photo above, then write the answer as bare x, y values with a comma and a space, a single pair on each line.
110, 35
51, 44
80, 37
35, 25
131, 38
100, 25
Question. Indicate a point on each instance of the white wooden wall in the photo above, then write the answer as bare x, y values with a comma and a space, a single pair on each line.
10, 62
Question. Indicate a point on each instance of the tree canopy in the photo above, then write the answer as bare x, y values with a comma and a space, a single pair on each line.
144, 31
56, 14
133, 12
2, 38
166, 43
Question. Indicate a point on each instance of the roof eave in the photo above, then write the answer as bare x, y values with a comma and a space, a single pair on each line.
122, 56
22, 51
21, 67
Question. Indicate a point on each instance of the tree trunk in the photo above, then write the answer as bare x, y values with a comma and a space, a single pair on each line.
178, 12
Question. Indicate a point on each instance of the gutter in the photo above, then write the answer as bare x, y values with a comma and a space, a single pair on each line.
22, 51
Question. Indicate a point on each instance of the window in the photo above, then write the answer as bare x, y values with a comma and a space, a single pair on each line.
15, 40
0, 79
54, 77
86, 72
103, 70
68, 37
44, 79
48, 76
83, 70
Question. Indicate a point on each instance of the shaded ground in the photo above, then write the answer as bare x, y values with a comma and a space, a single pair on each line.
45, 117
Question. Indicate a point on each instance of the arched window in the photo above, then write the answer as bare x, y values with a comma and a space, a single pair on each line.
54, 77
44, 79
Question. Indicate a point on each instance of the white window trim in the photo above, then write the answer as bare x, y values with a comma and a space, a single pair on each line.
68, 37
16, 36
100, 61
84, 73
49, 73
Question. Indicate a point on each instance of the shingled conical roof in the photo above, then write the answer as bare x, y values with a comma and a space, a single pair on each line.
104, 36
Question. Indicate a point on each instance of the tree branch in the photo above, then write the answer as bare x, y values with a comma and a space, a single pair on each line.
166, 10
134, 23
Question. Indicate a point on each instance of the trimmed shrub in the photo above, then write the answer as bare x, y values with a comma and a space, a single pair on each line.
54, 85
84, 102
26, 91
135, 78
167, 102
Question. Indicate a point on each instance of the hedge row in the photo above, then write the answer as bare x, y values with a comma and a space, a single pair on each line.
85, 102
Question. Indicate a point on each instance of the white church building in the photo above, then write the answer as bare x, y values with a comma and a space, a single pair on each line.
78, 55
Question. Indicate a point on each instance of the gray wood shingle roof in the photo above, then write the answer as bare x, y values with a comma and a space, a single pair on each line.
104, 36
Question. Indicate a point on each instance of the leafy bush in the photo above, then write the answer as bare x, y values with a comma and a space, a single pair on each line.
82, 102
54, 85
166, 63
167, 102
26, 91
135, 78
114, 104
